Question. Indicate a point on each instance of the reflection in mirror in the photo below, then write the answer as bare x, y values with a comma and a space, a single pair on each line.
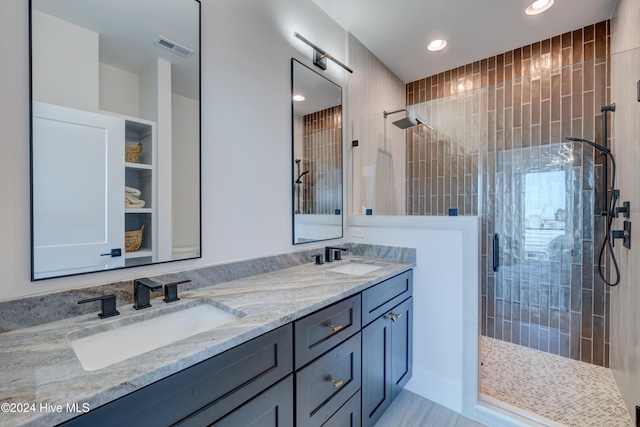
317, 156
115, 134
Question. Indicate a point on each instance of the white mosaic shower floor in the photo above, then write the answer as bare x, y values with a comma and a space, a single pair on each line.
563, 391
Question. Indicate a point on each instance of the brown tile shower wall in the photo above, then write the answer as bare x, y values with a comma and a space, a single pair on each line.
524, 99
322, 145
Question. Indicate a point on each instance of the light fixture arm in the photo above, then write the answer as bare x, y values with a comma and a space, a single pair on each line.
320, 56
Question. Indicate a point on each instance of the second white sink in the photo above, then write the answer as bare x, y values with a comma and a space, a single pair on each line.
355, 268
101, 349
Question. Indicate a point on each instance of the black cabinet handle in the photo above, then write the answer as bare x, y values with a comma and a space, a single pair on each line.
496, 251
114, 253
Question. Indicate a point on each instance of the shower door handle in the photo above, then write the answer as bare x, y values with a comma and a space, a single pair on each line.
496, 251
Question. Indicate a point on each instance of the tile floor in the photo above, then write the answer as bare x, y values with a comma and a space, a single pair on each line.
411, 410
557, 389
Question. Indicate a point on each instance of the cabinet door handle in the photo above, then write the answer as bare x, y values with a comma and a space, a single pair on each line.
496, 251
335, 328
391, 317
396, 315
114, 253
336, 383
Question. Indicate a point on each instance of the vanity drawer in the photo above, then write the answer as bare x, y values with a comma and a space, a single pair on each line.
378, 299
271, 408
204, 392
326, 328
323, 386
348, 415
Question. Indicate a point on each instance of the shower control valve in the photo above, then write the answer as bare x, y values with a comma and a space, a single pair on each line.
625, 210
624, 234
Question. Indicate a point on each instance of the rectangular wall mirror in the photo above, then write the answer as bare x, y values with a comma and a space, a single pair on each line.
317, 155
115, 134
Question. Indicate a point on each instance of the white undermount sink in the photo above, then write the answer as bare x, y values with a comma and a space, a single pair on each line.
97, 348
355, 268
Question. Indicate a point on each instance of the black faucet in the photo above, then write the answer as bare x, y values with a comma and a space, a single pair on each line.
171, 291
141, 292
337, 253
107, 305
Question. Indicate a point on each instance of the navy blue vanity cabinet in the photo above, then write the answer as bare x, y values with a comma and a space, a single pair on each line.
328, 365
206, 392
349, 415
387, 344
271, 408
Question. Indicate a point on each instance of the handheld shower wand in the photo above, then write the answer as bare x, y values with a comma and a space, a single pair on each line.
609, 212
591, 143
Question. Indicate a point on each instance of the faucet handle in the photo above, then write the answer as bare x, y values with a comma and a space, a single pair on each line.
147, 283
171, 291
107, 305
318, 258
336, 252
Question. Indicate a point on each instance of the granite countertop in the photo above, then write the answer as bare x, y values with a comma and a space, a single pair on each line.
42, 377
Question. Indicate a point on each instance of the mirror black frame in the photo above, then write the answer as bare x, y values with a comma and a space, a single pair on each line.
31, 156
293, 157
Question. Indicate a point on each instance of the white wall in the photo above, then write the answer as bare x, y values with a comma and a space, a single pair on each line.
445, 292
246, 134
185, 178
625, 298
377, 177
119, 91
66, 72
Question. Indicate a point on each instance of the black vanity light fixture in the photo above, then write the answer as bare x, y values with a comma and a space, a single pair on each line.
320, 56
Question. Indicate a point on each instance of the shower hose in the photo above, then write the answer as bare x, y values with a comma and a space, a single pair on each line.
607, 242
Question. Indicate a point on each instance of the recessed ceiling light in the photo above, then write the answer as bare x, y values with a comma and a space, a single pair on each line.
538, 6
436, 45
298, 98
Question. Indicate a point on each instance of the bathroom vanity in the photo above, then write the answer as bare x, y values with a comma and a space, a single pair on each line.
310, 346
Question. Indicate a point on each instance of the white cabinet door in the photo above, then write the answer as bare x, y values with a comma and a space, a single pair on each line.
78, 191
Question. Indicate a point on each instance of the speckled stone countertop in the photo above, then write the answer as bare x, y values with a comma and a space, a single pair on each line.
40, 373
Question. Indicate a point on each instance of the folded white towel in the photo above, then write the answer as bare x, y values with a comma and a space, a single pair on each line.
132, 201
132, 191
133, 205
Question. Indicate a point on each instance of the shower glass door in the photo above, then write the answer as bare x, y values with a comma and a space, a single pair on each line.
534, 297
540, 195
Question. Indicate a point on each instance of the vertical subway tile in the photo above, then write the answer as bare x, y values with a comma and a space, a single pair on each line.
535, 101
556, 47
585, 350
517, 63
536, 65
598, 341
587, 314
601, 39
576, 93
500, 68
577, 46
576, 339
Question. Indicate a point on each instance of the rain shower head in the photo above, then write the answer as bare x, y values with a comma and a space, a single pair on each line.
411, 121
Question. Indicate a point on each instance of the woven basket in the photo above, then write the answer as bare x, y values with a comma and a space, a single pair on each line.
132, 153
133, 240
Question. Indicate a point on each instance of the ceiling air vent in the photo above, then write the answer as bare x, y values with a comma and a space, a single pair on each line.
173, 47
